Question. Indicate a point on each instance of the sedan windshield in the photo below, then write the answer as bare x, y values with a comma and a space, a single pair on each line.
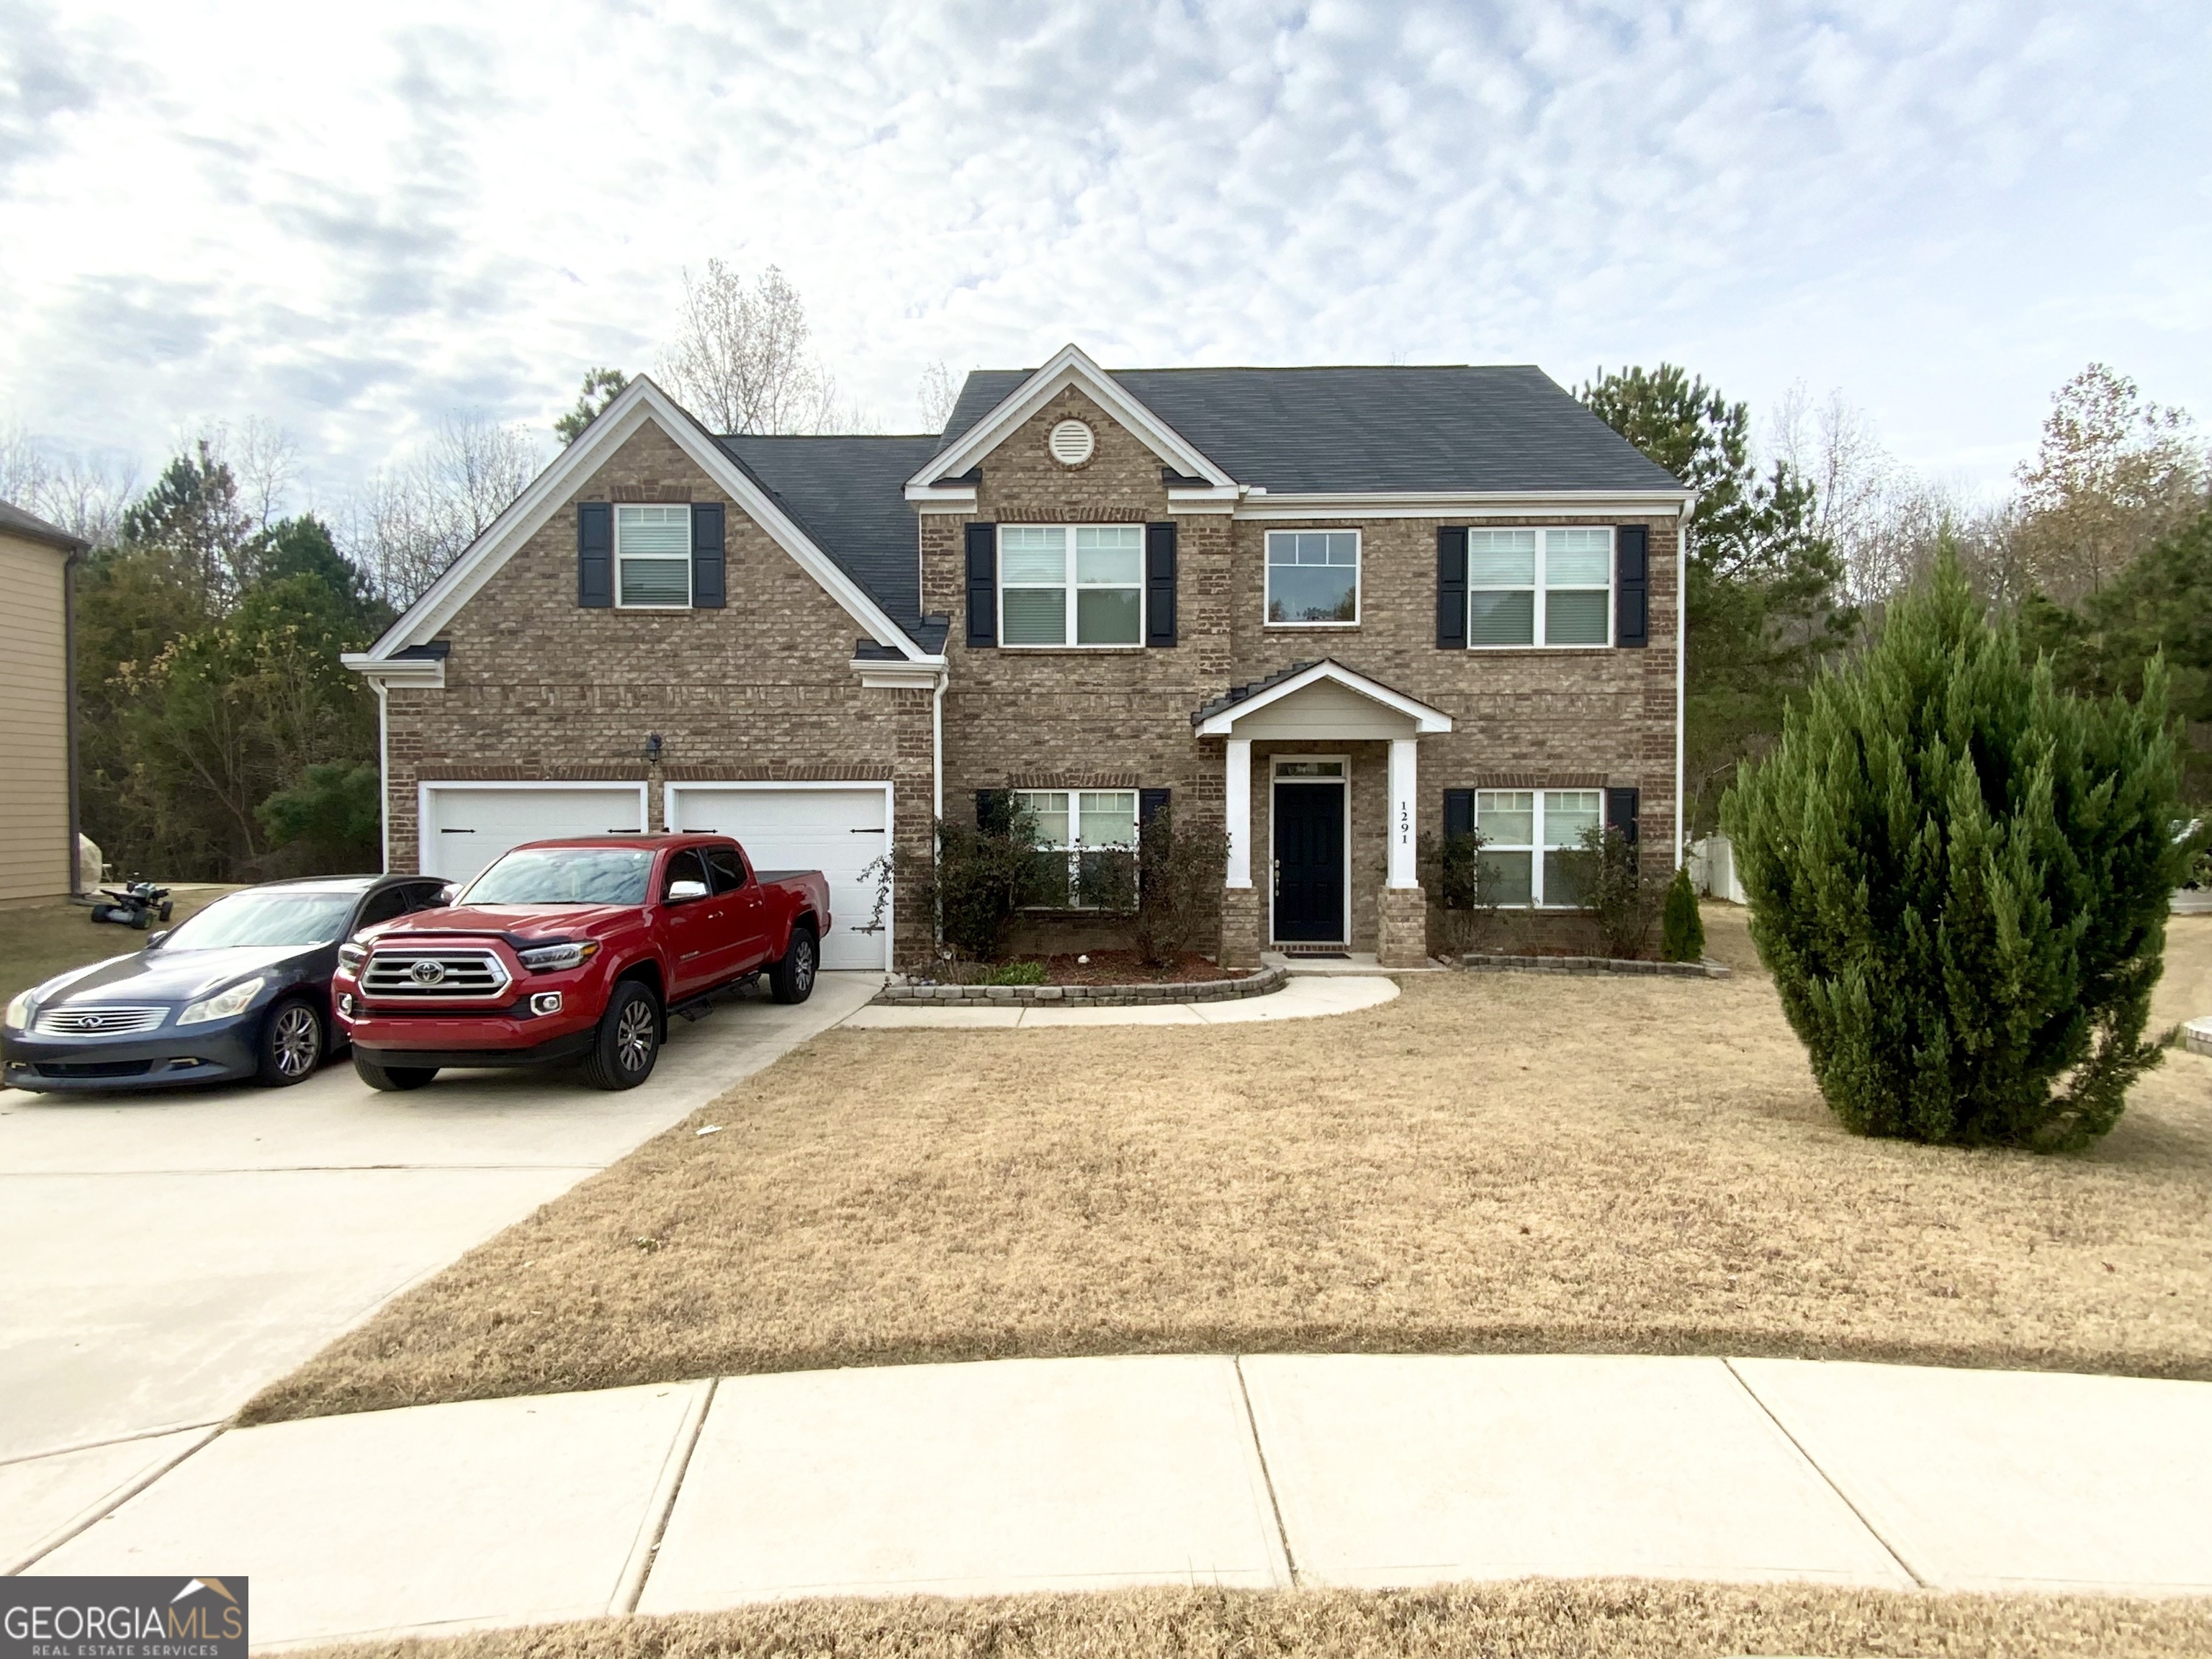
564, 875
264, 917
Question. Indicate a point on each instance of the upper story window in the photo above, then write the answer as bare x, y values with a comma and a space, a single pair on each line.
1539, 587
1313, 577
1071, 584
652, 557
1530, 837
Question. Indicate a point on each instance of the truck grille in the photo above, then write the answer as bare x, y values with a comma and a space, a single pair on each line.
100, 1022
442, 974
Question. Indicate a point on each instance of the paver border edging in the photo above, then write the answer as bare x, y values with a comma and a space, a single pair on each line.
1485, 961
1089, 996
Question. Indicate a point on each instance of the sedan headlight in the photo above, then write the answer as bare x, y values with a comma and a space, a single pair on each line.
223, 1004
351, 955
20, 1008
550, 959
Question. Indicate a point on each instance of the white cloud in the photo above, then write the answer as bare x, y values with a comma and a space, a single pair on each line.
351, 219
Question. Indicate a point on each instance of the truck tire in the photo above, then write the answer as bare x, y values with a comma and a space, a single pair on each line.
792, 979
391, 1078
629, 1040
290, 1045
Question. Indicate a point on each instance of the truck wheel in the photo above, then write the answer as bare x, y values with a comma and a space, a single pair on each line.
791, 979
291, 1044
628, 1041
392, 1078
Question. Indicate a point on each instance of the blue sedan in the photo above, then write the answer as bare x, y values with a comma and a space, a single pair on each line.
240, 991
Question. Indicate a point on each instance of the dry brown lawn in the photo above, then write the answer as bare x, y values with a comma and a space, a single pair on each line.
41, 940
1534, 1620
1492, 1162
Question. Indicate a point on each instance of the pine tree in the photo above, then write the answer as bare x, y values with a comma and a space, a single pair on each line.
1682, 929
1959, 877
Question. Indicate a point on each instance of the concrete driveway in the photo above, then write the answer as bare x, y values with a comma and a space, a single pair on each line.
166, 1255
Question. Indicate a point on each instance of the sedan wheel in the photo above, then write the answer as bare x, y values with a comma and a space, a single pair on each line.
291, 1044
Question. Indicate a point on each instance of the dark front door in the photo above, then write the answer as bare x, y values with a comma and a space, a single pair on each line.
1310, 862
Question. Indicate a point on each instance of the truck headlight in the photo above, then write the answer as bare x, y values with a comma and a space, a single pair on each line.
222, 1004
550, 958
351, 955
21, 1009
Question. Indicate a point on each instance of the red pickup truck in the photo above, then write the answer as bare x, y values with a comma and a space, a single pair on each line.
574, 951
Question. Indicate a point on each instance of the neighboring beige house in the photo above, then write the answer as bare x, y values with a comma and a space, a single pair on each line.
1328, 610
38, 807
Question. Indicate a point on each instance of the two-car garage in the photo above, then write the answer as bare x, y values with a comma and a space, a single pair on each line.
841, 829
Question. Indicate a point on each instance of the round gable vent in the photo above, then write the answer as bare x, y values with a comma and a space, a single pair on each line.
1071, 443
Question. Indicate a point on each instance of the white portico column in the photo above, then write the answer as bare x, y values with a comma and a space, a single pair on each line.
1403, 788
1237, 798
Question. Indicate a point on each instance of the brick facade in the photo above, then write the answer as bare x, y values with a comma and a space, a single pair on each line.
539, 687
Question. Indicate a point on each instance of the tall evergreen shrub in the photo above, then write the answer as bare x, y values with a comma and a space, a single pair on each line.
1682, 930
1959, 877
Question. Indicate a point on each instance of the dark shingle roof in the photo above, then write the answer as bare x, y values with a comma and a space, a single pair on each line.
1295, 430
848, 495
16, 522
1236, 693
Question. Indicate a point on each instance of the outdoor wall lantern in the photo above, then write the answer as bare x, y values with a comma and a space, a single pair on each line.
653, 746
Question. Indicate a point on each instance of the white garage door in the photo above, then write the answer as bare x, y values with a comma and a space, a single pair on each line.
466, 826
839, 830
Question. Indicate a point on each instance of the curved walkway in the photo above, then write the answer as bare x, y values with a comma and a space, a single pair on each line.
1304, 998
1019, 1476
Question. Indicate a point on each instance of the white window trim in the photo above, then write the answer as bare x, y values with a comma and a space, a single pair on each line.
1343, 781
1359, 575
1074, 848
1070, 588
688, 553
1543, 553
1538, 848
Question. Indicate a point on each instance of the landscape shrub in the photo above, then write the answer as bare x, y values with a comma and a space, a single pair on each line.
1459, 887
1608, 882
1180, 871
1959, 875
1682, 929
980, 876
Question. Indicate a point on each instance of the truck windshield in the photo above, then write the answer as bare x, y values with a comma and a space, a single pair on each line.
564, 875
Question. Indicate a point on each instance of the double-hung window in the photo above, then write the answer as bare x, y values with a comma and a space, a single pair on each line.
652, 557
1530, 842
1071, 584
1539, 587
1313, 577
1086, 842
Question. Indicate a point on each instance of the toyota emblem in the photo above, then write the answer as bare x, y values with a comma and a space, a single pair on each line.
427, 972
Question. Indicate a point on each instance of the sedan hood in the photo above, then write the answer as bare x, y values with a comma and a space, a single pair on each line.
167, 976
519, 921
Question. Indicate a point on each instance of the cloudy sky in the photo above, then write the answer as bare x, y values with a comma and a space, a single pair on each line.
350, 220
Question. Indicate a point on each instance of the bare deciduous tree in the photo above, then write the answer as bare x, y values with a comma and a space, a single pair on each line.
741, 362
415, 519
81, 494
2113, 473
936, 397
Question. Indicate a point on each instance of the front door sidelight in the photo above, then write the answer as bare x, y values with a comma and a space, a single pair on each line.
1308, 863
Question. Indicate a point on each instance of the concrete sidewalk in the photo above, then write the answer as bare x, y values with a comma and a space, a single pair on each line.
1301, 998
168, 1254
1023, 1475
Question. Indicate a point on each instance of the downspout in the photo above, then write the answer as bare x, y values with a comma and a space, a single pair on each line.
383, 768
68, 714
937, 751
1682, 657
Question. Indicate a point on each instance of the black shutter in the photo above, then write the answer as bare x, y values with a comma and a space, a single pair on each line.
595, 553
1621, 809
1151, 803
707, 560
1159, 584
1632, 588
1451, 588
982, 584
1459, 813
994, 811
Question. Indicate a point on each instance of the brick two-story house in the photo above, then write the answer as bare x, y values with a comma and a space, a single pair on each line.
1334, 609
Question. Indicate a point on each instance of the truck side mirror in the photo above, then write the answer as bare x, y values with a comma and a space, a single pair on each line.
683, 893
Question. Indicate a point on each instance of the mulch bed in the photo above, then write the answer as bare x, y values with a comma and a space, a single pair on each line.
1127, 968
